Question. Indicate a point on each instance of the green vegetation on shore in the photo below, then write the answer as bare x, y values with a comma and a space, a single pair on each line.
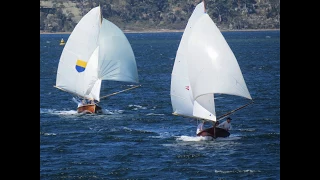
161, 15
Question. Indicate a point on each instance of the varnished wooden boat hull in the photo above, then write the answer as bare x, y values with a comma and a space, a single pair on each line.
210, 132
89, 108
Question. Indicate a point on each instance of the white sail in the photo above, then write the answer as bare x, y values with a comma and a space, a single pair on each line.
212, 65
73, 75
181, 91
96, 50
116, 58
94, 82
206, 65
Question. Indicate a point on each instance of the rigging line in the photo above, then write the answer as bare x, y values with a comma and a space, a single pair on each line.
222, 116
119, 92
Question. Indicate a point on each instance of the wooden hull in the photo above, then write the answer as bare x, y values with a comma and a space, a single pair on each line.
89, 109
210, 132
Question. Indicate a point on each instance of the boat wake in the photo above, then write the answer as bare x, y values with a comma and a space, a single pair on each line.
53, 111
136, 107
194, 138
206, 138
111, 112
74, 112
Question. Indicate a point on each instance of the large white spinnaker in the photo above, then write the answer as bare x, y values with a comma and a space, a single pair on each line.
116, 58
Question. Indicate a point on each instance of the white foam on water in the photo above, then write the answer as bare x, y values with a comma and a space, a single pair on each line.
194, 138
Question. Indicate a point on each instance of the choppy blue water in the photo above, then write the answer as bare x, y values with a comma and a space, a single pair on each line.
139, 138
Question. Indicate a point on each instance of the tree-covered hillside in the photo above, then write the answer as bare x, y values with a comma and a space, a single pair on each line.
138, 15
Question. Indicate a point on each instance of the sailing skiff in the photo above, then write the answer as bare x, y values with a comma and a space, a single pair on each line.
96, 50
204, 66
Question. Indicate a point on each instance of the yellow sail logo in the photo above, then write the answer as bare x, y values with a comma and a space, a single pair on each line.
81, 65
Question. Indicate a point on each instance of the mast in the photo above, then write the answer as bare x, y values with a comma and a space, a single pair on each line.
101, 17
204, 5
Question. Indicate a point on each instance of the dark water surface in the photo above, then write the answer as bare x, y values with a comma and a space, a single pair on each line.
139, 138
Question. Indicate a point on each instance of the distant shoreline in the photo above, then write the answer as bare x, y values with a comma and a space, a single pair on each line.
166, 30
